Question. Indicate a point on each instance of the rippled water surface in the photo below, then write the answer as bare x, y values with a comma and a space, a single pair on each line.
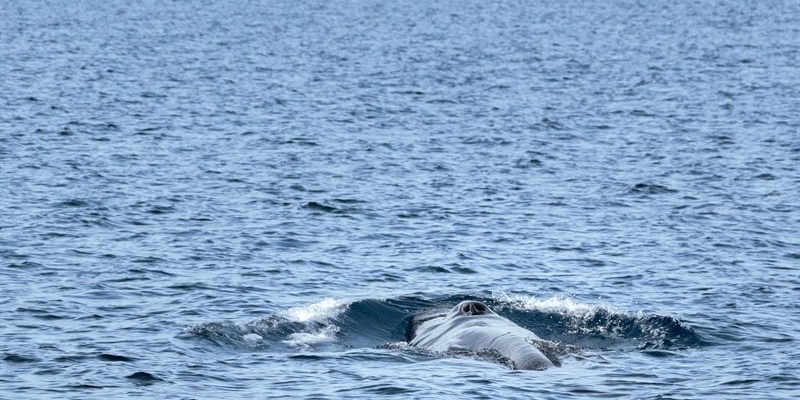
255, 199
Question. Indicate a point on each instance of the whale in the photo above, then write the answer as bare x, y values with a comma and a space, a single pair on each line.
473, 327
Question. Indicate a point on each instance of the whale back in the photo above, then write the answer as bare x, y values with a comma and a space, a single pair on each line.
461, 330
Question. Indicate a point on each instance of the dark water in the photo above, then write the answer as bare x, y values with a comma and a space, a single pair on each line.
253, 199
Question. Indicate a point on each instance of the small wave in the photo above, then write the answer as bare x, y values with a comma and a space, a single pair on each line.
314, 206
114, 358
18, 358
650, 189
143, 378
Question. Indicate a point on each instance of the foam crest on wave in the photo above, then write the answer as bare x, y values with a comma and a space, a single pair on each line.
299, 327
324, 310
318, 318
556, 304
567, 320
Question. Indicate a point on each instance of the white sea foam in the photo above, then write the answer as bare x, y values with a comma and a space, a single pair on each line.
557, 304
320, 311
315, 314
307, 339
252, 338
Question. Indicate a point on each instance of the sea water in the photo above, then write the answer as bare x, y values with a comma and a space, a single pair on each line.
218, 199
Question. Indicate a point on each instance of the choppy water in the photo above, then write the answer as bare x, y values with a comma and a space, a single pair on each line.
253, 199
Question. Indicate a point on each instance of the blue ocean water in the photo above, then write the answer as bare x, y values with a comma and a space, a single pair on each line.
253, 199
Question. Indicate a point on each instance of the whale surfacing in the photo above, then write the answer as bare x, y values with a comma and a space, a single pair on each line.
473, 326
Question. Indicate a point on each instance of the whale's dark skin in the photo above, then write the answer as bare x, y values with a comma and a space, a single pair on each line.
473, 326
